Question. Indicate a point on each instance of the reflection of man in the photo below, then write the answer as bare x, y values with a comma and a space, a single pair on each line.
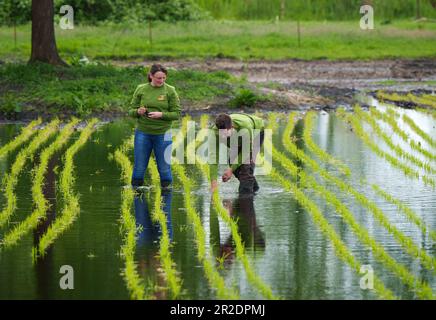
242, 210
242, 135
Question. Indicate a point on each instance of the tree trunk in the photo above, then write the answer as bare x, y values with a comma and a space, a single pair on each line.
43, 36
282, 10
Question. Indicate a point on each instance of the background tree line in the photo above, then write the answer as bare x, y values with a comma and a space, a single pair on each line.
97, 11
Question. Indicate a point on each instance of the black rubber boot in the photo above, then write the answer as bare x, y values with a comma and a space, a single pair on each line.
137, 183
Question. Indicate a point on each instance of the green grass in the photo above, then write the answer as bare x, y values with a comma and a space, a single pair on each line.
234, 39
82, 90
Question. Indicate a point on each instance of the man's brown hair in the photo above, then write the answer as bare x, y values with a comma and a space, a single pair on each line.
223, 121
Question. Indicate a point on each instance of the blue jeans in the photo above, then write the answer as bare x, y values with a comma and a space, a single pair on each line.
144, 144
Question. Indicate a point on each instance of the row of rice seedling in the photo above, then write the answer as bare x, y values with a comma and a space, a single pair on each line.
71, 207
39, 200
253, 278
406, 242
25, 134
320, 153
419, 131
410, 215
388, 140
427, 100
11, 179
158, 215
128, 225
391, 121
328, 231
213, 276
422, 289
360, 132
430, 112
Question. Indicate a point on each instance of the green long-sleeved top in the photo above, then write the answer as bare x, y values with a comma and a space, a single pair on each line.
163, 99
240, 121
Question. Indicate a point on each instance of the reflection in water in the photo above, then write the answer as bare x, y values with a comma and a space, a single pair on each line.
147, 244
44, 266
298, 262
242, 211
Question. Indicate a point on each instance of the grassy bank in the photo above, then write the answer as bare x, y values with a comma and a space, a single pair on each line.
91, 89
234, 39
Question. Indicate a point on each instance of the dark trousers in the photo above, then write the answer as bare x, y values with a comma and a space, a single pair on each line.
245, 172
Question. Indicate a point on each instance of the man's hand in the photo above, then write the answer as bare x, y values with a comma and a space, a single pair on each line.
141, 111
213, 186
227, 174
155, 115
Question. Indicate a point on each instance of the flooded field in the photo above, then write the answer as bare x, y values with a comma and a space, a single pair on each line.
350, 195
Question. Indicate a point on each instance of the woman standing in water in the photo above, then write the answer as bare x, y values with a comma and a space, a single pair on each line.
155, 105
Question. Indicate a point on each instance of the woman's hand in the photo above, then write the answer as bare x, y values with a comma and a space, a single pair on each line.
141, 111
155, 115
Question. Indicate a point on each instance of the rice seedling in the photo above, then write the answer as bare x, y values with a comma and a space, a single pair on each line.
431, 112
388, 140
406, 242
214, 278
25, 134
389, 118
128, 226
158, 215
253, 278
409, 213
360, 132
11, 179
329, 232
307, 134
71, 207
427, 100
425, 136
41, 203
422, 290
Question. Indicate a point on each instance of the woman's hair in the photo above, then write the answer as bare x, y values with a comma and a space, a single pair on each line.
223, 121
156, 68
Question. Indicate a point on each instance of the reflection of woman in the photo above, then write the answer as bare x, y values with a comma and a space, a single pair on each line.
155, 105
148, 238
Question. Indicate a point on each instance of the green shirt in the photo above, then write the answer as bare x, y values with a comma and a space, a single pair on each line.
239, 121
163, 99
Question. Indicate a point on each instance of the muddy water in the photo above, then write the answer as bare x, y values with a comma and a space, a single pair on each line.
284, 246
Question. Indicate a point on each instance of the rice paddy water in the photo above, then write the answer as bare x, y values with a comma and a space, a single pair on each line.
348, 192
